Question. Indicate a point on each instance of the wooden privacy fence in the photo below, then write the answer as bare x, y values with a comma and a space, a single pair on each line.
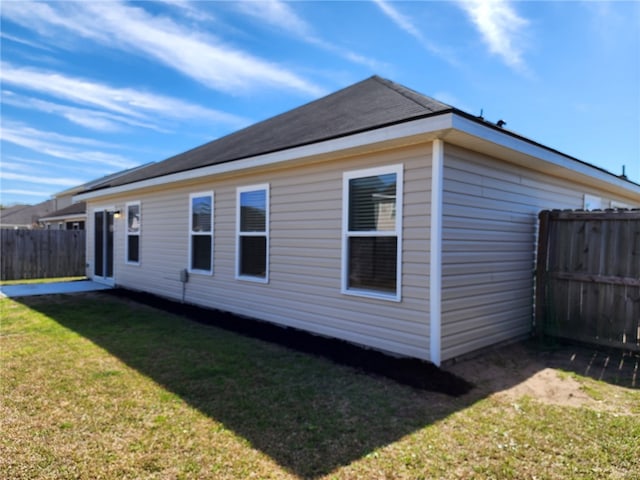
27, 254
588, 276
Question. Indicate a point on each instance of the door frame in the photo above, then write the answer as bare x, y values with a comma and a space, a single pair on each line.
108, 239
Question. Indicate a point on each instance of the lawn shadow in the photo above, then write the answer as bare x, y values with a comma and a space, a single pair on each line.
307, 413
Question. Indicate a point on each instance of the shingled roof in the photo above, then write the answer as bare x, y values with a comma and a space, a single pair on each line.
371, 103
75, 209
24, 216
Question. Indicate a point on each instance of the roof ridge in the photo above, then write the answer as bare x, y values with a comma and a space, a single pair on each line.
369, 104
409, 93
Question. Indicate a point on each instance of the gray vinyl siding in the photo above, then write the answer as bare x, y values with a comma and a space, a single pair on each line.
490, 211
305, 252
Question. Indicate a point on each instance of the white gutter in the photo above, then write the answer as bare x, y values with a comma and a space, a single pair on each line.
540, 152
435, 257
68, 218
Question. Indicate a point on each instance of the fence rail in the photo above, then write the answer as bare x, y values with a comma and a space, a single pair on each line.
588, 277
29, 254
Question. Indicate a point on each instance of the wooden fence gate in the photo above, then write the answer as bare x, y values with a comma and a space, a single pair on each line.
588, 277
27, 254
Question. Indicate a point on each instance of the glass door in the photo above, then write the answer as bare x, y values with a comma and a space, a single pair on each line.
103, 246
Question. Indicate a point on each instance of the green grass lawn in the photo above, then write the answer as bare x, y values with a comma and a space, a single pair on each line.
97, 387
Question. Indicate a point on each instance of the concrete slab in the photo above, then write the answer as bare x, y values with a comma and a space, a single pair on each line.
30, 289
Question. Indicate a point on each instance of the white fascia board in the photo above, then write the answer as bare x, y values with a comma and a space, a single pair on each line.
540, 153
394, 132
68, 218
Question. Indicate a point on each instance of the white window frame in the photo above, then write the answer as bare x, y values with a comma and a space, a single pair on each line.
127, 234
397, 232
591, 202
265, 233
616, 204
192, 233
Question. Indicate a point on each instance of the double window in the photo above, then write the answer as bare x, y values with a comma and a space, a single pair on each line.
372, 226
134, 224
201, 232
252, 248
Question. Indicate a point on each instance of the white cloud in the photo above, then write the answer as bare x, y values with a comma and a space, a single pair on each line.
405, 23
278, 14
39, 179
86, 118
10, 128
93, 119
281, 16
18, 165
199, 56
29, 43
66, 147
22, 192
399, 19
12, 159
189, 9
123, 105
501, 27
47, 20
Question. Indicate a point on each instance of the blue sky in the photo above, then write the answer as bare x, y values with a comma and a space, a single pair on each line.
91, 88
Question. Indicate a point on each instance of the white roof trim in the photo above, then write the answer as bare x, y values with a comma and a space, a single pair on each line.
539, 152
69, 218
448, 126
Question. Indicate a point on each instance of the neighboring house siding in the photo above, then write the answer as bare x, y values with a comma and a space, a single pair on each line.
490, 212
305, 252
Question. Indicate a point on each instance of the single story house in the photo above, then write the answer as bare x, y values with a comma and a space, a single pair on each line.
376, 215
25, 216
71, 217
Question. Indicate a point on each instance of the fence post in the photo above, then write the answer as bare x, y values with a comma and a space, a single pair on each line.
541, 273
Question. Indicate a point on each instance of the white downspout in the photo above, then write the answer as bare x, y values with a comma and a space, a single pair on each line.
435, 260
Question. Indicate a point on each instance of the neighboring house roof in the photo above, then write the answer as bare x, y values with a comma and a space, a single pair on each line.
24, 216
74, 210
79, 209
27, 216
372, 104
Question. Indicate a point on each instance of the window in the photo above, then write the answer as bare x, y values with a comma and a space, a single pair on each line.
201, 233
372, 226
252, 249
591, 202
132, 245
74, 226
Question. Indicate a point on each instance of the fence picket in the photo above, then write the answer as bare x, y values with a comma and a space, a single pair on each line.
29, 254
589, 278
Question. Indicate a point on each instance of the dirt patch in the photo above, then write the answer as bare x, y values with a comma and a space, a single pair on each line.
511, 373
527, 369
548, 386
